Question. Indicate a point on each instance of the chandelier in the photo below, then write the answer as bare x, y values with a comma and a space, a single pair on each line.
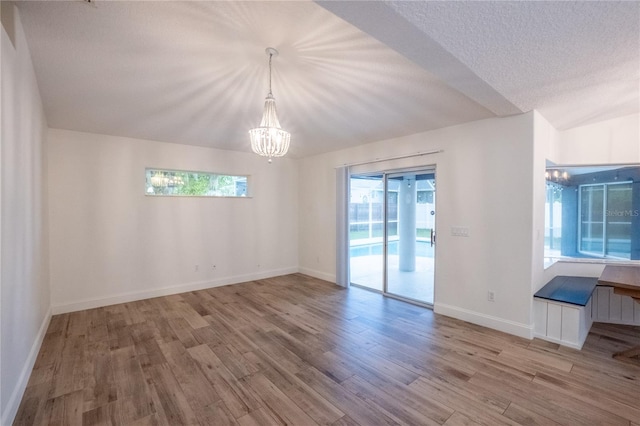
556, 179
269, 140
556, 175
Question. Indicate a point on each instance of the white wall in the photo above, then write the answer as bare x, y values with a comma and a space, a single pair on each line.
545, 147
24, 282
110, 243
610, 141
484, 180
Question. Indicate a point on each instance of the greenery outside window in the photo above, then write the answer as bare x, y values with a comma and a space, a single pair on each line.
161, 182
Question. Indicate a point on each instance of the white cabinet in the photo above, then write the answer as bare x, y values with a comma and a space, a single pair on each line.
613, 308
562, 323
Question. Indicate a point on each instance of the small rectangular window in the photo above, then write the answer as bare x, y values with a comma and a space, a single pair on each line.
194, 184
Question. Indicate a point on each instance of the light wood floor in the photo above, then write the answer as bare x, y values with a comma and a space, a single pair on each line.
299, 351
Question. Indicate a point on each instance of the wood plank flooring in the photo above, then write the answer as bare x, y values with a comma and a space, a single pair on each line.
299, 351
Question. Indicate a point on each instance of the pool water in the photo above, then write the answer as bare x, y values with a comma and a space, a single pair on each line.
423, 249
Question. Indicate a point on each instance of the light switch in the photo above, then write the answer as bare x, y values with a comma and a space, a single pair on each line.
459, 231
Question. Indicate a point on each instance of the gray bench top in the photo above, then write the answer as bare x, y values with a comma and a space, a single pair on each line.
573, 290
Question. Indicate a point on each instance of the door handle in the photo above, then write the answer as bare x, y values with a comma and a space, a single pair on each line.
433, 237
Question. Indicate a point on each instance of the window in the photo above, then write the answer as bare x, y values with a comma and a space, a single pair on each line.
553, 221
425, 197
593, 212
605, 219
195, 184
592, 219
366, 208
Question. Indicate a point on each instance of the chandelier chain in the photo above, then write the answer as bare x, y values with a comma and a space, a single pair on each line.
270, 56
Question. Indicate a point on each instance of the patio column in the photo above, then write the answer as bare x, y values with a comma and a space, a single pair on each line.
407, 224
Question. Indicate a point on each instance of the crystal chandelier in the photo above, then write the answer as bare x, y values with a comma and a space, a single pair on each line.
269, 140
556, 179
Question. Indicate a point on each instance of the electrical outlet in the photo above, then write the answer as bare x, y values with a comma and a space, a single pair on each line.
196, 268
491, 296
213, 267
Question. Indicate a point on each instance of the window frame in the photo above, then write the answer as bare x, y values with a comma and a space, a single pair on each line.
151, 170
564, 179
605, 207
580, 222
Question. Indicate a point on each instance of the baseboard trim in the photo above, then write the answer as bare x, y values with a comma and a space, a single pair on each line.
318, 274
81, 305
500, 324
8, 416
560, 342
616, 321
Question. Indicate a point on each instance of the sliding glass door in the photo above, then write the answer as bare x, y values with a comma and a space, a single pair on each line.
605, 219
392, 233
366, 231
411, 236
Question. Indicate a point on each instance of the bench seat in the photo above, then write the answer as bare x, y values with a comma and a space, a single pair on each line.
572, 290
562, 310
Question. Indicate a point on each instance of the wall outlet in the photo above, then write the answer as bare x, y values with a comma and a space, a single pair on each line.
491, 296
213, 267
196, 268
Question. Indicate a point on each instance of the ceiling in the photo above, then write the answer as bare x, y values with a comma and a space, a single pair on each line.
348, 73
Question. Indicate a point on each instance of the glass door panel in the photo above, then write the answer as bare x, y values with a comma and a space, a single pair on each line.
411, 235
366, 231
618, 214
592, 219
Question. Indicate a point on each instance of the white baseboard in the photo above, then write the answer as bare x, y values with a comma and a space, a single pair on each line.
560, 342
9, 414
81, 305
318, 274
616, 321
500, 324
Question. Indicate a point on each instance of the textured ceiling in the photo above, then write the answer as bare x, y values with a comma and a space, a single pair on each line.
348, 72
577, 62
545, 55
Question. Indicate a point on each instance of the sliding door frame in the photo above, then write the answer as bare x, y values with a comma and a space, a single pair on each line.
431, 168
